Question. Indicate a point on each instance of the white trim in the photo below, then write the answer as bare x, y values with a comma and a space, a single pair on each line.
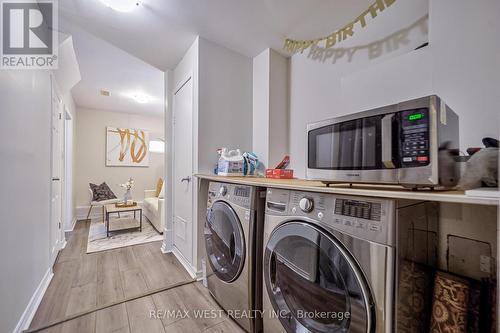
62, 245
73, 223
28, 314
168, 239
164, 248
187, 266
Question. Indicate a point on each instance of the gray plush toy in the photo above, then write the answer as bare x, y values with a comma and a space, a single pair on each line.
481, 170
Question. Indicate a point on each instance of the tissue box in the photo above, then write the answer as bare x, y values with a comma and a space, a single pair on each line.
279, 173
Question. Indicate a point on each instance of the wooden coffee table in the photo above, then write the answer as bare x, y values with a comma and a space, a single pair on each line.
112, 209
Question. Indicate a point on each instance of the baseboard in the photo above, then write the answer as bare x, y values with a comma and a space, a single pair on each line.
167, 245
28, 314
72, 227
164, 249
184, 262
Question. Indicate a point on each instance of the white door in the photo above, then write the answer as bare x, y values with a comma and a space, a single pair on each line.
57, 171
183, 169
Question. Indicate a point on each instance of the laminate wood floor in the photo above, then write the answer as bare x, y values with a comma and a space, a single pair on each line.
83, 281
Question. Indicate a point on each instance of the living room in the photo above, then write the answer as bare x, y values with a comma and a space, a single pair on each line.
118, 138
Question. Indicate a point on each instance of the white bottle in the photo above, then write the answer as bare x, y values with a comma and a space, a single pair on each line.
230, 163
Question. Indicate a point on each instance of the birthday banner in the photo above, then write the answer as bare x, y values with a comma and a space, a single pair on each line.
294, 46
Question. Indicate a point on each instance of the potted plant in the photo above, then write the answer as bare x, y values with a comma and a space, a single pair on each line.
128, 186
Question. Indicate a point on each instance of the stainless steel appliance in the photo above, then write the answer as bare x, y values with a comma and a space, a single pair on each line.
329, 263
233, 242
410, 143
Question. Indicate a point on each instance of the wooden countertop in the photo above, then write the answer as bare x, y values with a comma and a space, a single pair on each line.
381, 191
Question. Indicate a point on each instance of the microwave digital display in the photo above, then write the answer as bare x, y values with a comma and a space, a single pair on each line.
415, 116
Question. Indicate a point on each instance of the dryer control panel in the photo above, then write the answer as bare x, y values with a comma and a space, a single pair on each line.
240, 195
367, 218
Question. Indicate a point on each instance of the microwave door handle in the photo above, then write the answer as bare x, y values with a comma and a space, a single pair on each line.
387, 141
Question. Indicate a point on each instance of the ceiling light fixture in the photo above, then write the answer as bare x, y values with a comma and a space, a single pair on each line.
123, 6
140, 98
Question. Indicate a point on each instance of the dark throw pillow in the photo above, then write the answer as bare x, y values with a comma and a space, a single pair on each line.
101, 192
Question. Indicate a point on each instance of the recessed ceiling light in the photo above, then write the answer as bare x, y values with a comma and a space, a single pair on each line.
122, 5
139, 97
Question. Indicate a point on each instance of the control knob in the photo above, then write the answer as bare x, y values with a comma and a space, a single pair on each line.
223, 190
306, 205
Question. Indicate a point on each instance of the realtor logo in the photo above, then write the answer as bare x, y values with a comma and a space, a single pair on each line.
29, 34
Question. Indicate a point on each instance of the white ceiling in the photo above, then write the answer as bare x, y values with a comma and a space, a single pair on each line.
160, 31
127, 52
106, 67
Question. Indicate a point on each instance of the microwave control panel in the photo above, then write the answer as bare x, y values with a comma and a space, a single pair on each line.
414, 149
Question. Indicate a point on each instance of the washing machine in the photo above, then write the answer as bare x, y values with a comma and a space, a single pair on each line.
233, 242
328, 263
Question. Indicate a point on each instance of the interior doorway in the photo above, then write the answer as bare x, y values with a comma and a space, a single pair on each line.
182, 142
56, 235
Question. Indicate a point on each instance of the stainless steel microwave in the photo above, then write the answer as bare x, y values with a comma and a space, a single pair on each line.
412, 143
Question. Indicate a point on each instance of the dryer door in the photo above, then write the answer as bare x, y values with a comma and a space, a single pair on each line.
314, 284
224, 241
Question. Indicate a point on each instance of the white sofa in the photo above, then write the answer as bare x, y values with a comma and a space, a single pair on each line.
153, 208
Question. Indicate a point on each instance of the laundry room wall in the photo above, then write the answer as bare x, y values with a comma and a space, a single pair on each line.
225, 102
465, 75
222, 117
224, 114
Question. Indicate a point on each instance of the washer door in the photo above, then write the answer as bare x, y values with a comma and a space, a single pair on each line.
313, 283
224, 241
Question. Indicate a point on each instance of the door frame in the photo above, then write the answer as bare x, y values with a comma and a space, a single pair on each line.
61, 241
66, 165
69, 219
170, 236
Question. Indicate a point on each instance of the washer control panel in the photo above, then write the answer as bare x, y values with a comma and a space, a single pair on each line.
372, 219
240, 195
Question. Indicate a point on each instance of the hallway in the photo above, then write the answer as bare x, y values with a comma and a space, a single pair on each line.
83, 282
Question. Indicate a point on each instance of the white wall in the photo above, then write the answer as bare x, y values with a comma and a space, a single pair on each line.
25, 115
278, 106
466, 66
460, 65
270, 107
224, 116
225, 102
260, 83
91, 151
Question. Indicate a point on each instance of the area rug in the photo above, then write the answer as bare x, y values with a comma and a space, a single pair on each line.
97, 240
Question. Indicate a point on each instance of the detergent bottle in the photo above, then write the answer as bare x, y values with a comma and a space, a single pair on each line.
231, 163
